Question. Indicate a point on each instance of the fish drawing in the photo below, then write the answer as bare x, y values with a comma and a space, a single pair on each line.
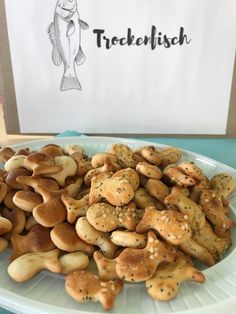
65, 36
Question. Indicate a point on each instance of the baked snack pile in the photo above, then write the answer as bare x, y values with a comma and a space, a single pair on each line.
140, 215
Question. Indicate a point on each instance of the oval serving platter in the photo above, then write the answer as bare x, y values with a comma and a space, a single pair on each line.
45, 292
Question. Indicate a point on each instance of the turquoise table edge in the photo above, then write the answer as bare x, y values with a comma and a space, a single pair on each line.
223, 150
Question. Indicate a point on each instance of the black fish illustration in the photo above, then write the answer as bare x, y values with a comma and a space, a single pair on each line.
65, 36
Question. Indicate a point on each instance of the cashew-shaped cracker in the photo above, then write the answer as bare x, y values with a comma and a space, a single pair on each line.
157, 189
128, 239
142, 199
169, 155
73, 261
150, 154
92, 236
190, 169
178, 177
27, 200
149, 170
37, 240
5, 225
15, 162
194, 249
17, 218
66, 239
30, 264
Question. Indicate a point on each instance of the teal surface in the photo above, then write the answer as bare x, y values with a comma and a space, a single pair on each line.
223, 150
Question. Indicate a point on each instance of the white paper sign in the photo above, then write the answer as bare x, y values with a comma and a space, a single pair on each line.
156, 66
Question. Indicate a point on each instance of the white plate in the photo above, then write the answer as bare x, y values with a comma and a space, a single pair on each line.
45, 292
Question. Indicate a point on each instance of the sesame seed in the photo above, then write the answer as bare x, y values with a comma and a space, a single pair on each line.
152, 257
163, 217
185, 217
167, 219
103, 283
173, 236
151, 250
151, 240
